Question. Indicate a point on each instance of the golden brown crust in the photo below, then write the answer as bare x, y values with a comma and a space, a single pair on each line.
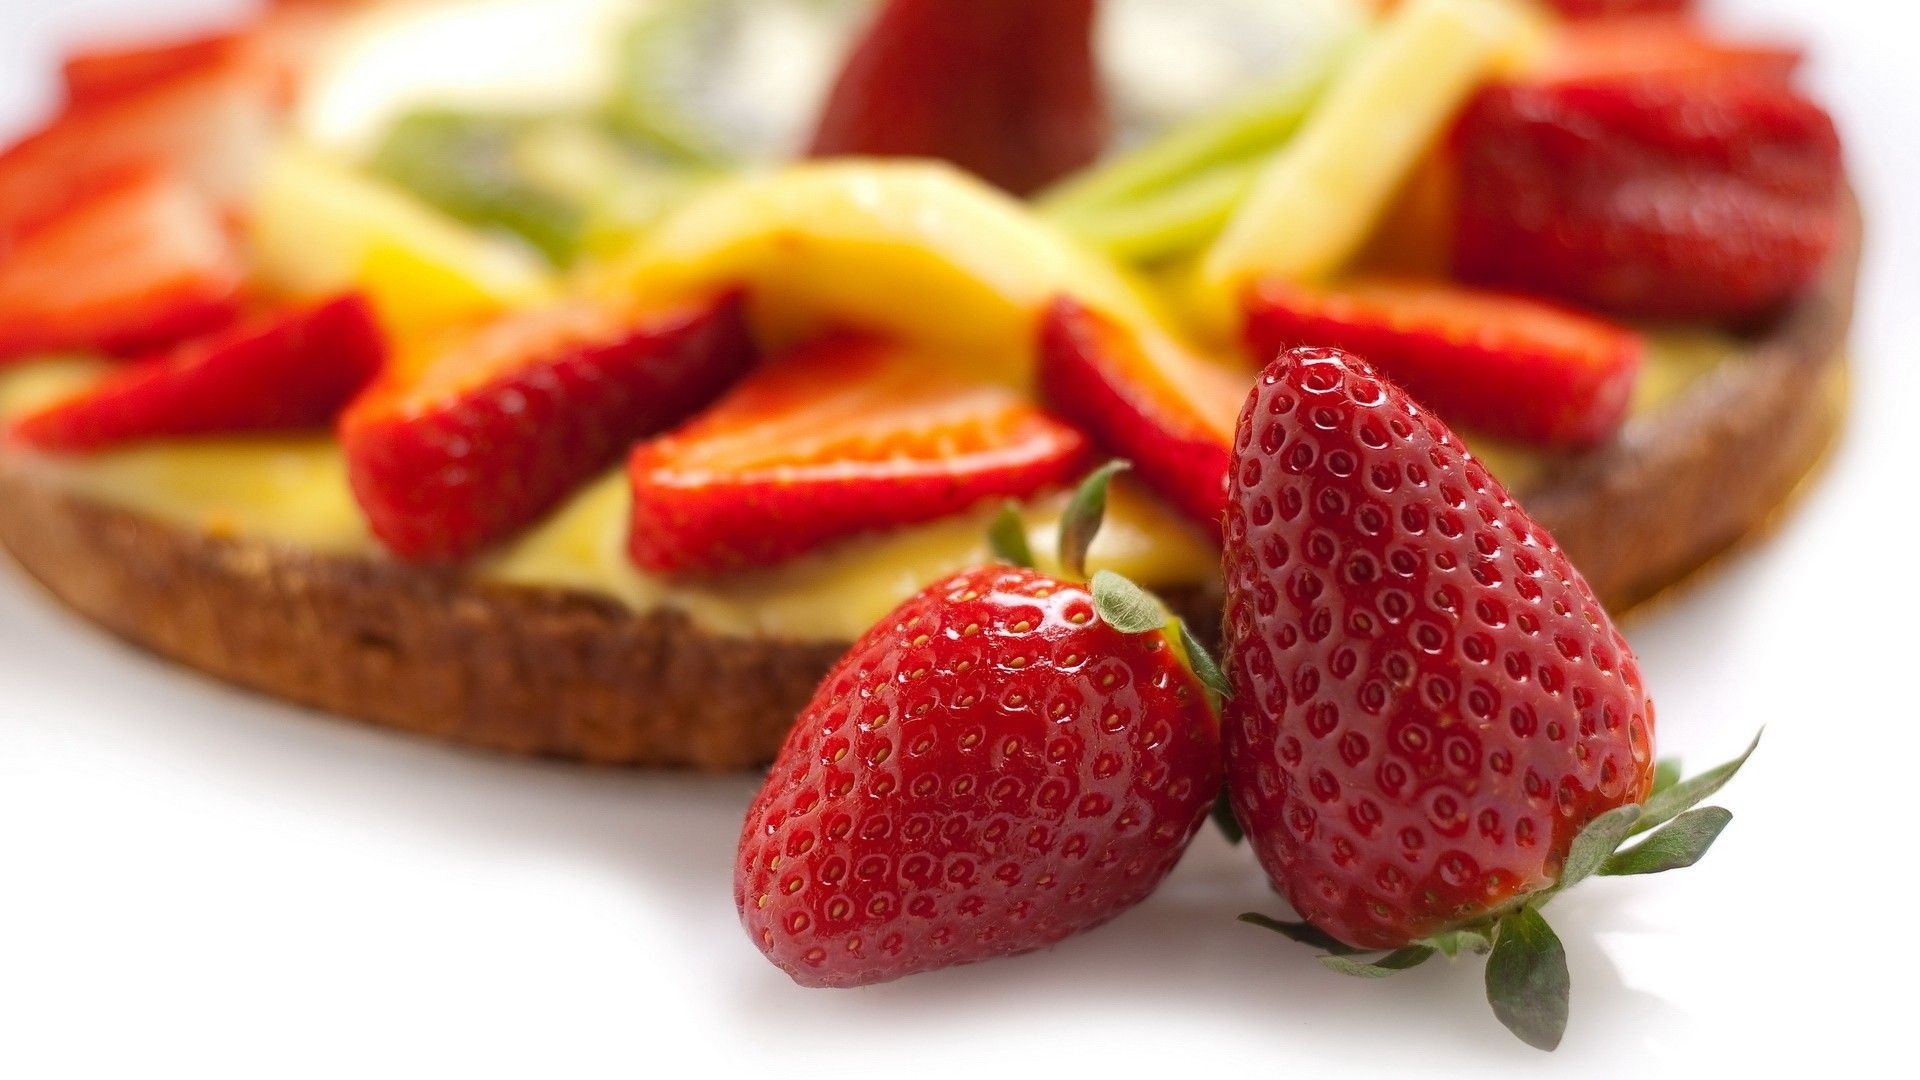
1677, 488
546, 672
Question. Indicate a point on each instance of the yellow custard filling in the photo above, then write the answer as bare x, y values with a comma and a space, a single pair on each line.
293, 490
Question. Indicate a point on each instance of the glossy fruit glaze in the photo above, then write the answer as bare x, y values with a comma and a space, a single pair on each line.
990, 769
1429, 702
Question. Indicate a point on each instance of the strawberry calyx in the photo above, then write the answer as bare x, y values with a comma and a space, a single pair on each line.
1120, 602
1527, 981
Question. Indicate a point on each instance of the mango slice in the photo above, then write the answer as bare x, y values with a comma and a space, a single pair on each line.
1320, 196
320, 227
915, 250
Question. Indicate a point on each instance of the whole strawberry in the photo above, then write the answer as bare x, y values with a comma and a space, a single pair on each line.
994, 767
1434, 725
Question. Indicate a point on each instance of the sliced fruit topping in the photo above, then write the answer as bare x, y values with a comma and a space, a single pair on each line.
1005, 89
320, 227
133, 265
1666, 195
1007, 759
1604, 9
559, 183
509, 417
210, 126
272, 46
915, 251
288, 371
1501, 364
1173, 195
1435, 727
842, 437
465, 166
1147, 397
1315, 203
96, 73
1657, 47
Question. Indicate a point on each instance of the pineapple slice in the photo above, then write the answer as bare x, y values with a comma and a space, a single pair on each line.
319, 227
916, 250
1319, 198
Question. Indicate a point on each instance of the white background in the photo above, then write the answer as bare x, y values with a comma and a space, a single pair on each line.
196, 882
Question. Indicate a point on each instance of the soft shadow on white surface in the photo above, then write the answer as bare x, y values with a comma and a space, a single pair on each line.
312, 857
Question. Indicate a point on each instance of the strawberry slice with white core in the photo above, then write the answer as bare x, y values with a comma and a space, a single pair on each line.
211, 127
137, 264
1502, 364
1147, 398
288, 371
506, 419
843, 437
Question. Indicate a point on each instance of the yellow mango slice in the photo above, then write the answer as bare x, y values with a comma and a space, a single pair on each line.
1319, 198
915, 250
320, 227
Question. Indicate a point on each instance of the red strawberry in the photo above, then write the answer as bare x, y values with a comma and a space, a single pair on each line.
1501, 364
1601, 9
1661, 47
1006, 89
209, 126
138, 263
287, 371
97, 73
1657, 196
274, 45
1150, 401
846, 436
991, 769
1434, 724
511, 416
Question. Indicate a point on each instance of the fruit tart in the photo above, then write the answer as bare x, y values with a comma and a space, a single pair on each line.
580, 379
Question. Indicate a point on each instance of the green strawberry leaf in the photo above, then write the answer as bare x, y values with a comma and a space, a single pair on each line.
1224, 820
1666, 805
1527, 981
1202, 663
1084, 514
1666, 774
1393, 963
1678, 845
1452, 943
1125, 606
1304, 933
1602, 836
1007, 538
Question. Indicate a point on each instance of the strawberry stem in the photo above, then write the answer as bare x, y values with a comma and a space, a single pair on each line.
1007, 538
1085, 513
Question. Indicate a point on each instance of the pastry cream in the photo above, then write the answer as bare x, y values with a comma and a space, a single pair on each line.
293, 490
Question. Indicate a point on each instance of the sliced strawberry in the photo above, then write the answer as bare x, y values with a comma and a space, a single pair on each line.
1655, 46
512, 416
139, 263
842, 437
211, 126
1006, 89
1502, 364
98, 72
275, 44
1670, 198
1145, 399
1602, 9
283, 372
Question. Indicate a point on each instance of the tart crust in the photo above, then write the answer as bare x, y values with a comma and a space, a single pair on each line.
573, 675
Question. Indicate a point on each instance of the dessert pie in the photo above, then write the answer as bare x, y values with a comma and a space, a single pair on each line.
579, 379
